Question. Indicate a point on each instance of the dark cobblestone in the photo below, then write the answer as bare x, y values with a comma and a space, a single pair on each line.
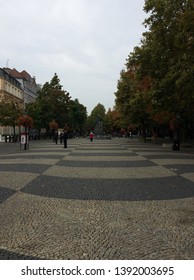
147, 215
33, 168
8, 255
5, 193
107, 189
118, 164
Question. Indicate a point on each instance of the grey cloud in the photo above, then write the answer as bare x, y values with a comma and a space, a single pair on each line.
85, 42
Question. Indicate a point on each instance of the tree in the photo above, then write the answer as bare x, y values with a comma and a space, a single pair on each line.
163, 67
52, 103
171, 39
125, 92
9, 113
77, 116
97, 114
38, 115
113, 121
25, 121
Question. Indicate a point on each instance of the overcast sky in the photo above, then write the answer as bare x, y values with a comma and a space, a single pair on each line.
86, 42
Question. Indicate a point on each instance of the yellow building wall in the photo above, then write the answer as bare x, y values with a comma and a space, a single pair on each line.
10, 92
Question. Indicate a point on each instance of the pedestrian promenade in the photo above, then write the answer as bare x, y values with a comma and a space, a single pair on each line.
106, 199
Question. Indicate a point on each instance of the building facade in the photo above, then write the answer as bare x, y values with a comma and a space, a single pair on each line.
18, 87
10, 88
28, 84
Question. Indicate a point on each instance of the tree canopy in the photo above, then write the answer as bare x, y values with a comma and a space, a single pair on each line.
158, 81
9, 112
77, 116
98, 112
54, 105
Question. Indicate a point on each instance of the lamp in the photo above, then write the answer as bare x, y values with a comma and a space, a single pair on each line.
176, 145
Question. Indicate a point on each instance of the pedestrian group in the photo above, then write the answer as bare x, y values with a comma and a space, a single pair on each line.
64, 136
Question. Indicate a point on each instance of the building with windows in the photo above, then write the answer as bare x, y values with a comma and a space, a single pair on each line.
18, 87
10, 88
28, 84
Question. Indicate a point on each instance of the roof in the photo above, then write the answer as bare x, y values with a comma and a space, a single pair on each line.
26, 75
18, 75
8, 77
14, 73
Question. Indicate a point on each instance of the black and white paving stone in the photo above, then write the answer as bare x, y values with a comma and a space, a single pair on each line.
109, 199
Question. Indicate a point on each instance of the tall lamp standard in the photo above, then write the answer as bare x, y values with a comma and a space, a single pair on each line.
26, 145
176, 145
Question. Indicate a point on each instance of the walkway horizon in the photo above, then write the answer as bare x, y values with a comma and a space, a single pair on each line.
113, 199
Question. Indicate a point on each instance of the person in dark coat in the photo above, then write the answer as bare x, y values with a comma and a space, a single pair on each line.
65, 136
56, 137
61, 137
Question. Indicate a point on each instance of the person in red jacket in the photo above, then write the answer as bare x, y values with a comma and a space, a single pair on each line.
91, 136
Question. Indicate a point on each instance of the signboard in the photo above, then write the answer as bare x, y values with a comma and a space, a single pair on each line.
23, 139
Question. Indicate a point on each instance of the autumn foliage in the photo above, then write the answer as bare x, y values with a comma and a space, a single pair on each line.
25, 121
53, 125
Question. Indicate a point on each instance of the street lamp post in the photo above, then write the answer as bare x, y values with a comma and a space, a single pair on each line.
176, 145
26, 145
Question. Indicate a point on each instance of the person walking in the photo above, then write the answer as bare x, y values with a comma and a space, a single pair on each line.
65, 136
91, 136
56, 137
61, 137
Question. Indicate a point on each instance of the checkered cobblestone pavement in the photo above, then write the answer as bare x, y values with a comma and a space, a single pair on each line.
107, 199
